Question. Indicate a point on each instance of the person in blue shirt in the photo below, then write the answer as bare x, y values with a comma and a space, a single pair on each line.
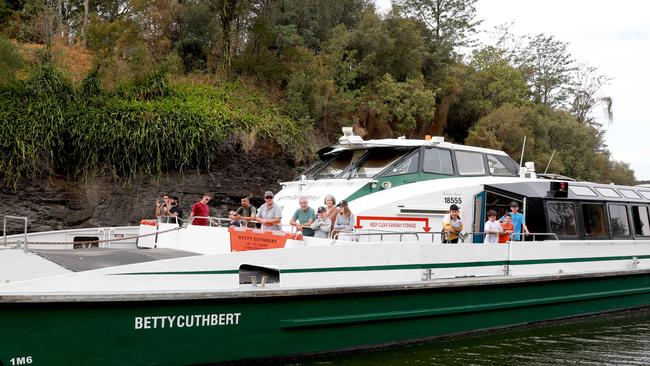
518, 221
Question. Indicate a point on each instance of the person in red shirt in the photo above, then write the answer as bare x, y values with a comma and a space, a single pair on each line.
508, 229
201, 209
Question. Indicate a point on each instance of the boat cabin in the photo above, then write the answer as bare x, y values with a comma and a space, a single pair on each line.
394, 162
571, 210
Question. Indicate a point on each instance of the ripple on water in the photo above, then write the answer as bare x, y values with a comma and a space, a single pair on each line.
620, 339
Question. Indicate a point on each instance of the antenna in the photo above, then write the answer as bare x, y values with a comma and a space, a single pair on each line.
549, 161
523, 148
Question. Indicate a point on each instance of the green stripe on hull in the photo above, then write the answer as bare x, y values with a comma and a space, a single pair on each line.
412, 266
105, 333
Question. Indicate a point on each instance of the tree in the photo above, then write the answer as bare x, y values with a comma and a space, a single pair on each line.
548, 67
580, 150
451, 22
486, 84
407, 107
231, 14
584, 95
314, 20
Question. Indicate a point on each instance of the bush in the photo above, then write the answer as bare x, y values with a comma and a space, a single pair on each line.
53, 128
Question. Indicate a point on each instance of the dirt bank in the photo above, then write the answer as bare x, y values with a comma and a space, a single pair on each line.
60, 203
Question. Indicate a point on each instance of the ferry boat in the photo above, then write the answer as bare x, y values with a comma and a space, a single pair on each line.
160, 294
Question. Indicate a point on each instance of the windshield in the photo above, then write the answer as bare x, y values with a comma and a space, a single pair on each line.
338, 163
376, 161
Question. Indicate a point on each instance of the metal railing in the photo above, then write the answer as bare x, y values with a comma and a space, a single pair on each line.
356, 235
4, 229
533, 235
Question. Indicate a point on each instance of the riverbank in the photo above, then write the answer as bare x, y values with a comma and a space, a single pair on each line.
62, 203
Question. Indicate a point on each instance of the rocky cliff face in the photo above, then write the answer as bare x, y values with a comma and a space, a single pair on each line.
60, 203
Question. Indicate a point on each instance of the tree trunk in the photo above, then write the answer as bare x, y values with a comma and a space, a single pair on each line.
84, 27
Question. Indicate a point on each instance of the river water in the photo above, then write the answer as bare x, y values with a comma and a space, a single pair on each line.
615, 339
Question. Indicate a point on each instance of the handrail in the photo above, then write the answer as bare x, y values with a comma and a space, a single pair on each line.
433, 234
4, 229
534, 235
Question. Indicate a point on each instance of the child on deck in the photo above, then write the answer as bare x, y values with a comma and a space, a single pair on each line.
508, 228
492, 228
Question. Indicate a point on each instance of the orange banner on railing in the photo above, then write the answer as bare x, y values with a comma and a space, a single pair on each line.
242, 239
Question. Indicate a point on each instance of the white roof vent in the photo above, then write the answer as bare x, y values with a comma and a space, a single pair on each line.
349, 138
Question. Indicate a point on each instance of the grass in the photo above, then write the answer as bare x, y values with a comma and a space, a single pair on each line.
53, 126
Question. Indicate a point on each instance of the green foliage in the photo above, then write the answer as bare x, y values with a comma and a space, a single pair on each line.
451, 22
579, 153
317, 65
405, 106
52, 128
487, 83
10, 61
314, 20
548, 67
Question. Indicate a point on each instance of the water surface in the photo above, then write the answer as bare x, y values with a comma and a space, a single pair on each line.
615, 339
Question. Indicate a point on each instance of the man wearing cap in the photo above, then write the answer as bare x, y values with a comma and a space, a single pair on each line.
518, 221
303, 218
452, 225
269, 214
322, 225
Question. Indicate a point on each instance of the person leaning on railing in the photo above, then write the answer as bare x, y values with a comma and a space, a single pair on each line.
201, 210
176, 210
247, 213
452, 225
269, 214
344, 221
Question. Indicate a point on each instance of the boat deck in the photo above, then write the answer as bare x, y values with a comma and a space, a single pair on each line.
78, 260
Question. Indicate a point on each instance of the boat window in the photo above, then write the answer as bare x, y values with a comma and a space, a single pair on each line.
438, 161
470, 163
562, 219
641, 220
582, 191
376, 161
406, 166
338, 163
497, 167
629, 193
312, 170
618, 220
645, 194
593, 216
607, 192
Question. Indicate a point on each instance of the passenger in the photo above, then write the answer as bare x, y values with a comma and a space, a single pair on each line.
269, 214
162, 207
344, 220
452, 225
518, 221
303, 218
234, 219
492, 228
247, 213
201, 211
507, 227
176, 210
330, 204
322, 225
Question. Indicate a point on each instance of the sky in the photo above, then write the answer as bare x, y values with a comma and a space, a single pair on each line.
612, 36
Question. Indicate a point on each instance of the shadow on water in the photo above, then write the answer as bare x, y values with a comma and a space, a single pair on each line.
615, 339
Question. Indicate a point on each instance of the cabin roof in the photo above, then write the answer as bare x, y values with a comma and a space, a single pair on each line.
582, 191
438, 142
